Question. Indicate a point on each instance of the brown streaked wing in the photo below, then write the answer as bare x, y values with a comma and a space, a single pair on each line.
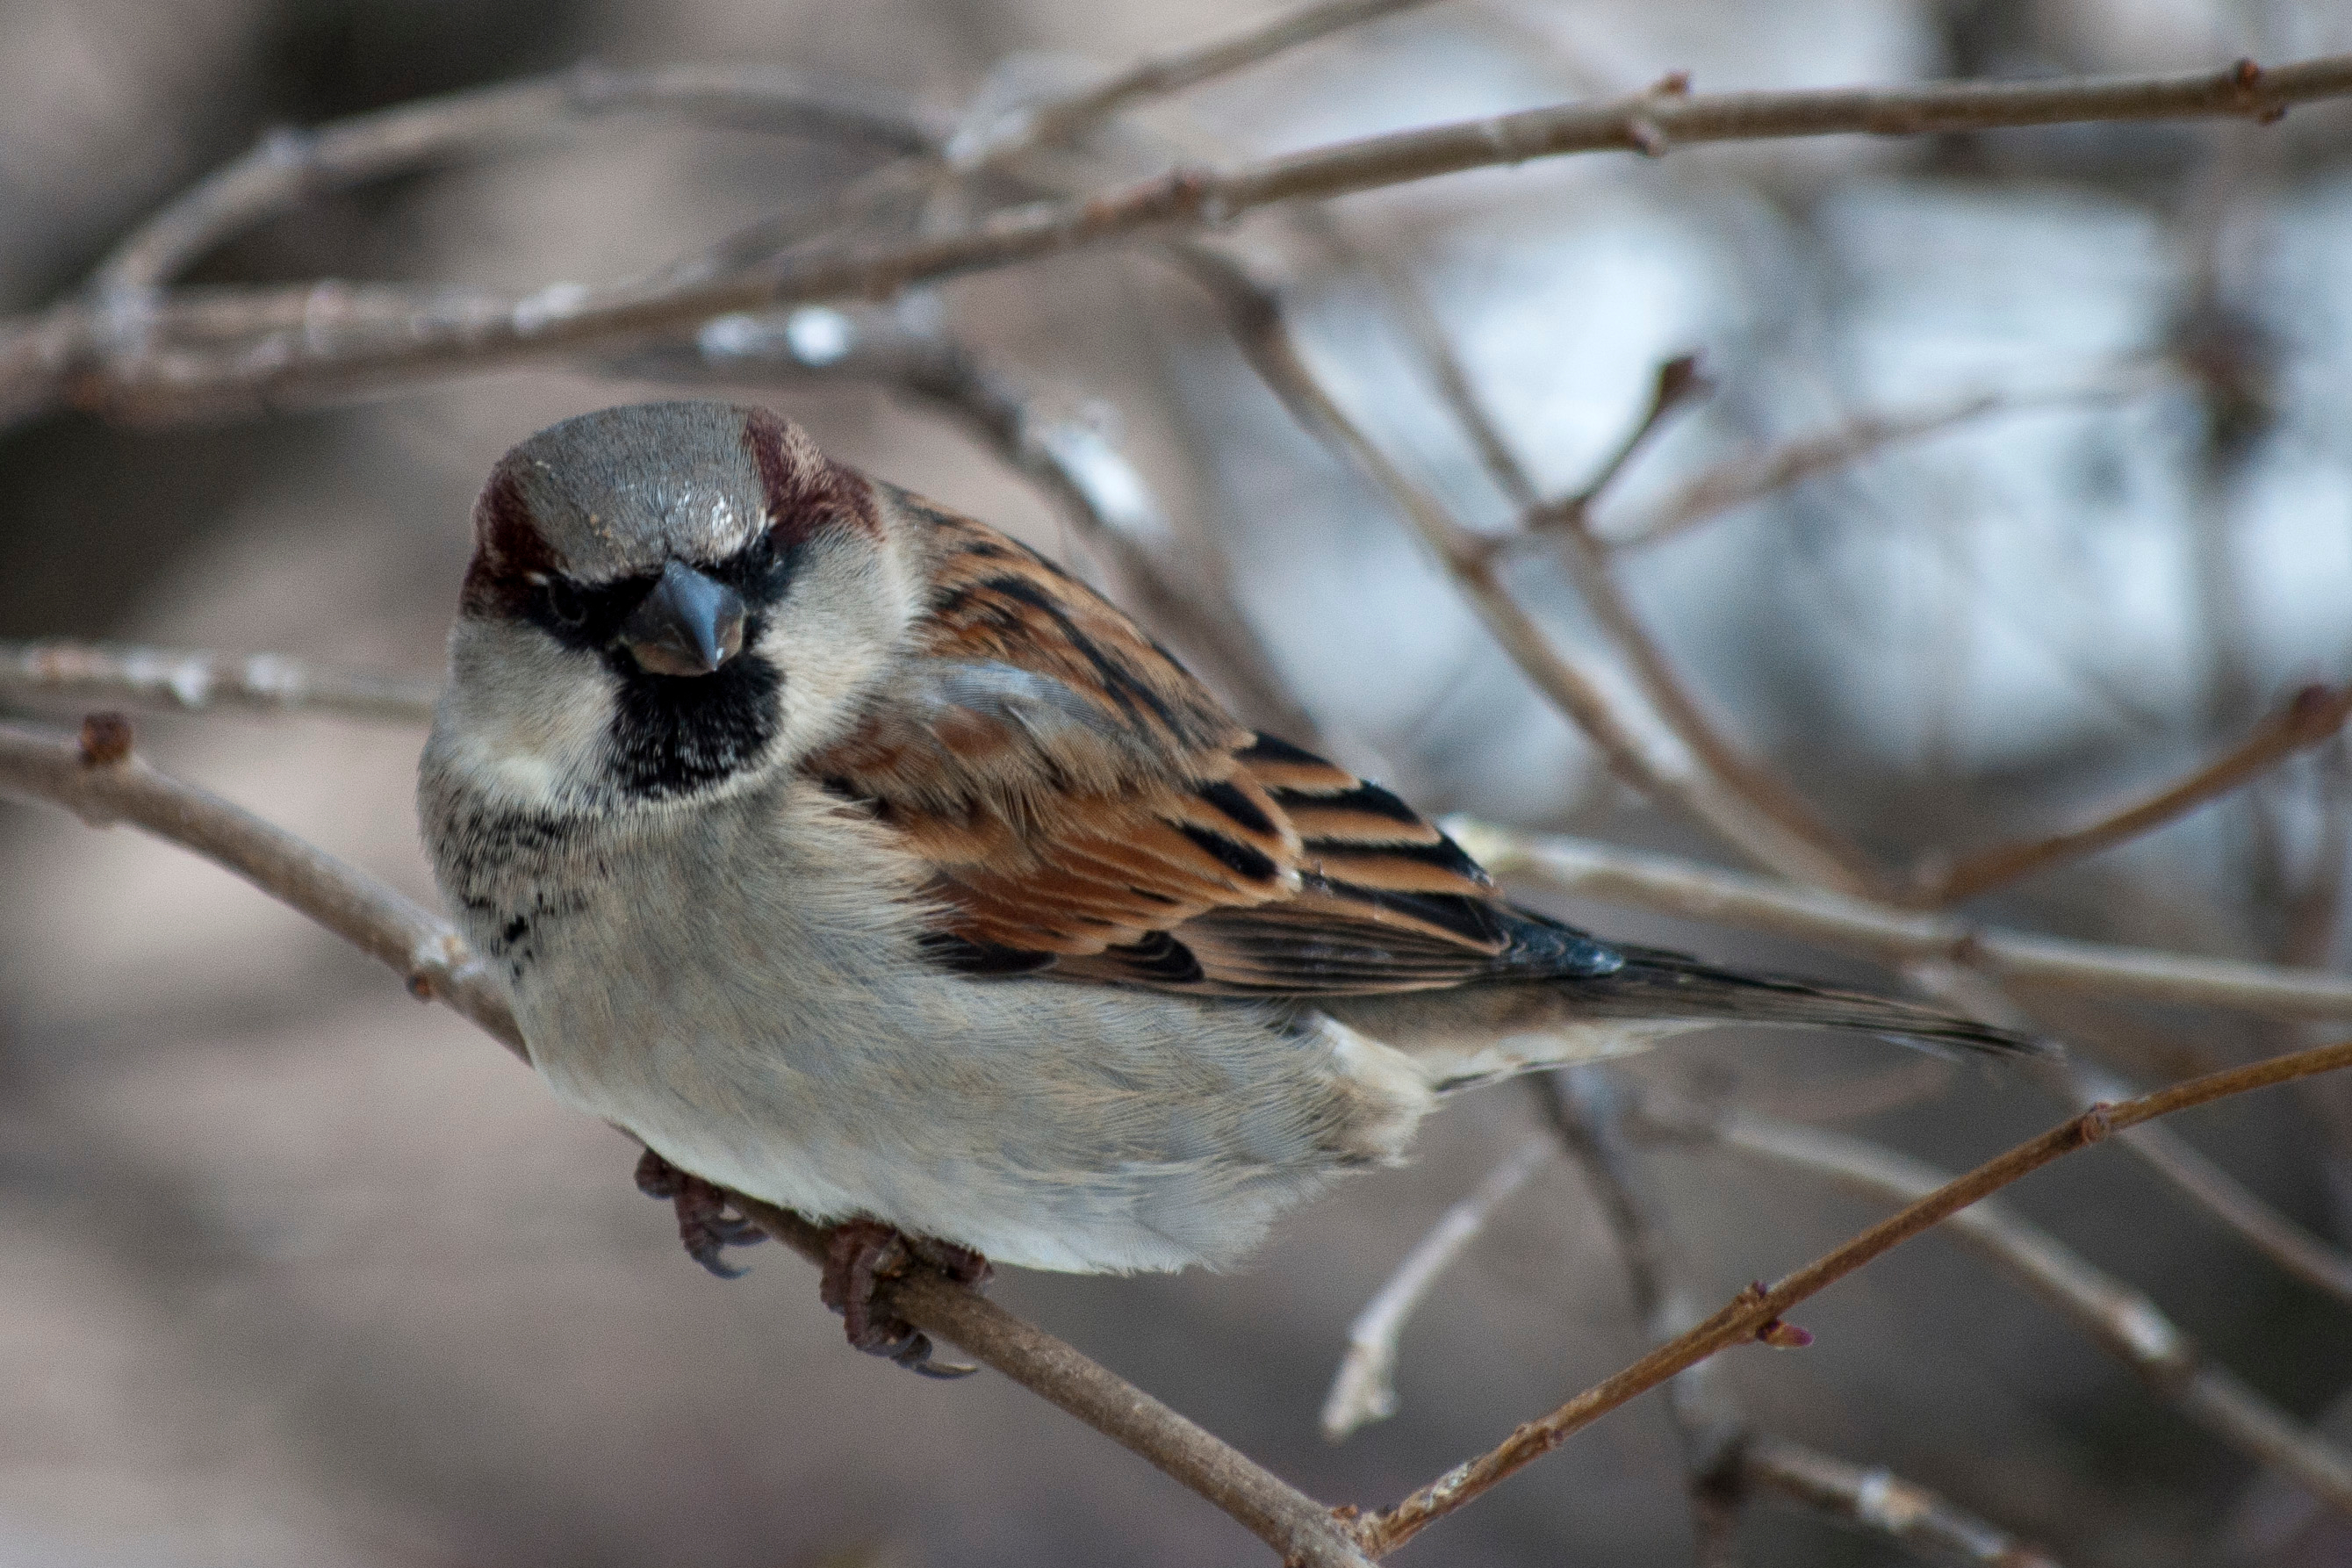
1091, 813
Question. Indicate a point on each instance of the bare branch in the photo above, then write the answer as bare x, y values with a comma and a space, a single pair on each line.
290, 166
1586, 1114
68, 353
99, 779
2124, 1322
1364, 1390
1677, 383
1876, 1499
2306, 1257
2312, 717
1640, 880
1061, 117
189, 682
1818, 850
1753, 477
1300, 1529
1756, 1312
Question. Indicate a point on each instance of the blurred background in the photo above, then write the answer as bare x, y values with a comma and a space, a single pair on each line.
294, 1271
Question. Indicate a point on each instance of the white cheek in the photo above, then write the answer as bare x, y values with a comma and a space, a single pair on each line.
838, 627
522, 717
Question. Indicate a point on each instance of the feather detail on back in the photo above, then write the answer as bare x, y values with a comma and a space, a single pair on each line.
1088, 810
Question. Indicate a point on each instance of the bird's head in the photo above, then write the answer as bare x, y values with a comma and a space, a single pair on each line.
665, 600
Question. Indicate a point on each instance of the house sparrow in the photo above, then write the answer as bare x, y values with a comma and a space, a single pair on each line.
851, 855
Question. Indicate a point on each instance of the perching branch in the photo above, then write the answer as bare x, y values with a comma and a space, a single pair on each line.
71, 354
1757, 1312
99, 779
1302, 1531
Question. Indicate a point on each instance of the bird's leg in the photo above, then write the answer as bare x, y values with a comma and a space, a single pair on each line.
704, 1225
861, 1253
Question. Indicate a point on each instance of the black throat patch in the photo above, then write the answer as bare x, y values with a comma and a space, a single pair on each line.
672, 735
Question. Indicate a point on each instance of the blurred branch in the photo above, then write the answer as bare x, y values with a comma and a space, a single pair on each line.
1364, 1390
2306, 1257
1095, 485
191, 682
1060, 118
1589, 869
1253, 314
291, 166
99, 779
1827, 857
2124, 1322
1806, 843
1753, 477
2313, 715
1878, 1501
1584, 1109
76, 355
1755, 1312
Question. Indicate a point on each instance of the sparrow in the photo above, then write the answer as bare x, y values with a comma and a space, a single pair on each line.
850, 855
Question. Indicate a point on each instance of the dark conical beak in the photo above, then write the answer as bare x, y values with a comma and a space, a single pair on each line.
688, 625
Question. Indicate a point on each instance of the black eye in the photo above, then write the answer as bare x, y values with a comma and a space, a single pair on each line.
563, 601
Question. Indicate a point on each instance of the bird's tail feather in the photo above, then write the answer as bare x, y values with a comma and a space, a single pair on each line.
1454, 1039
1655, 983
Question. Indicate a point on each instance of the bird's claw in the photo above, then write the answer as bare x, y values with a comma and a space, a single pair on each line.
861, 1253
704, 1225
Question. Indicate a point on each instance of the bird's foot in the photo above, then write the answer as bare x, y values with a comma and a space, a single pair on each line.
704, 1225
860, 1254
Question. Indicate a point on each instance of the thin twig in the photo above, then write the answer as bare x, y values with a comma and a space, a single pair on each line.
2122, 1319
1060, 118
1757, 1311
1637, 880
68, 353
190, 681
1875, 1499
1827, 855
99, 779
1753, 477
2313, 715
1364, 1390
290, 167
